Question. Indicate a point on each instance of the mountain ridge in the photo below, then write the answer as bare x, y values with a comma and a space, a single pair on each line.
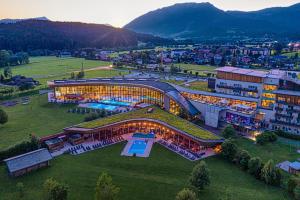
38, 34
204, 20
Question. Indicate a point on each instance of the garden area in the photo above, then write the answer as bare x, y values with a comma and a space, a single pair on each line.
201, 69
161, 176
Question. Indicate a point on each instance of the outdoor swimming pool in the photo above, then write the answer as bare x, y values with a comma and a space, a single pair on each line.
143, 135
99, 106
138, 147
117, 103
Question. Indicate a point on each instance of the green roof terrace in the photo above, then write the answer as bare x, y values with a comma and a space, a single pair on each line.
156, 114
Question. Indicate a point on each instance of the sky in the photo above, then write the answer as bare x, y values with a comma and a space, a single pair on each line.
114, 12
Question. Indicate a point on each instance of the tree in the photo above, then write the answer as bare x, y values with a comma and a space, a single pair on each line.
54, 190
105, 189
186, 194
270, 174
20, 190
229, 132
7, 72
254, 166
297, 192
4, 58
200, 176
3, 117
242, 158
229, 150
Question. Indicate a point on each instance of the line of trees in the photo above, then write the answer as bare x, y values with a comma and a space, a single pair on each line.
267, 172
8, 58
55, 190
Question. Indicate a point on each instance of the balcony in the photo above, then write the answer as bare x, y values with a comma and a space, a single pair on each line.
237, 88
276, 121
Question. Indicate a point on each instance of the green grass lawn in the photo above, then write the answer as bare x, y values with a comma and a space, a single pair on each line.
38, 117
158, 177
291, 54
157, 114
42, 67
198, 85
196, 68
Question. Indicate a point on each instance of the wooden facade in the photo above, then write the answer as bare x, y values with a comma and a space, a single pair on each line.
239, 77
144, 126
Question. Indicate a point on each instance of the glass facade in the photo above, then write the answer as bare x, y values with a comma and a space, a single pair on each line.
268, 98
221, 101
125, 93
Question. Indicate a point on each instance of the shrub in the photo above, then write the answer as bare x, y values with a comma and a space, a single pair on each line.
229, 132
91, 117
242, 159
229, 150
105, 189
186, 194
54, 190
270, 174
266, 137
21, 148
200, 176
3, 117
254, 166
287, 135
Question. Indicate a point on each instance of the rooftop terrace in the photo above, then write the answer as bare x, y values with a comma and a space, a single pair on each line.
157, 114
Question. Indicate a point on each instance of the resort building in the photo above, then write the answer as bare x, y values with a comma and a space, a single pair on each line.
248, 99
149, 120
25, 163
116, 91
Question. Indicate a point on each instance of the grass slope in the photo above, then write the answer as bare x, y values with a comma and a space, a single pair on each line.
37, 117
158, 177
157, 114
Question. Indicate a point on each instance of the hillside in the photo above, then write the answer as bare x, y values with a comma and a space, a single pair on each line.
204, 21
39, 34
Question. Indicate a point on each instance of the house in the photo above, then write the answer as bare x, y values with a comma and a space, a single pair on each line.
25, 163
294, 167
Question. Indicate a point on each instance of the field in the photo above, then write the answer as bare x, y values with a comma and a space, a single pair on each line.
158, 177
198, 85
38, 117
197, 68
291, 54
43, 67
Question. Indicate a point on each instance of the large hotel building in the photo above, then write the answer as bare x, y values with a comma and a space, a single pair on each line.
248, 99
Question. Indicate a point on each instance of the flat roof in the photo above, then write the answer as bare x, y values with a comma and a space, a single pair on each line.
295, 165
28, 159
156, 114
249, 72
227, 96
167, 88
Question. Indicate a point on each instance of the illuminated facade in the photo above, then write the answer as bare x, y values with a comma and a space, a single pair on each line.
128, 90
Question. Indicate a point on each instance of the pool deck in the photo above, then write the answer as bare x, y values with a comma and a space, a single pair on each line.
147, 151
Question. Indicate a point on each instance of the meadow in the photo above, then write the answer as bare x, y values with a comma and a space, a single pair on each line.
158, 177
201, 69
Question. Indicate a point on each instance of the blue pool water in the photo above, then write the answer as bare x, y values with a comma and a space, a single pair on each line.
117, 103
138, 147
143, 135
100, 106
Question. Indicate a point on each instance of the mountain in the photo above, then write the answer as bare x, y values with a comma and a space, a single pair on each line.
204, 21
12, 21
41, 34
